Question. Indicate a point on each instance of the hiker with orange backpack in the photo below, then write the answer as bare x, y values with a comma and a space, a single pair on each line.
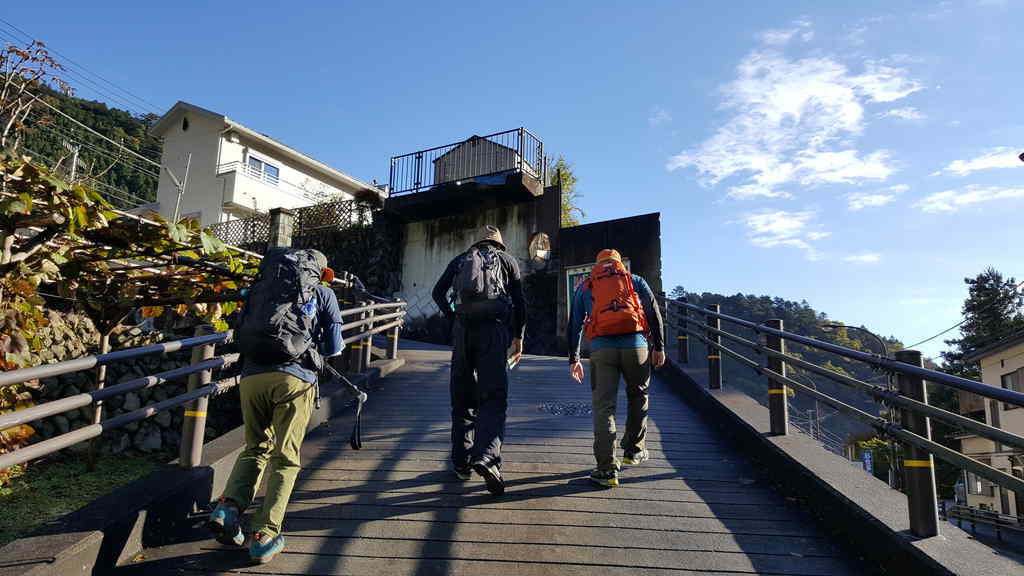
624, 327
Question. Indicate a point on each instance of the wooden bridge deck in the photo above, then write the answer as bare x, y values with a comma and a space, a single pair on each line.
395, 508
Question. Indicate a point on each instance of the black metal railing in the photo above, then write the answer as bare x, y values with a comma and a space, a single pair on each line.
473, 159
357, 336
913, 429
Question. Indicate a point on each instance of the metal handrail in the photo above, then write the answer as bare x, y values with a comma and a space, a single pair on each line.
880, 393
203, 363
938, 450
87, 362
1001, 394
704, 332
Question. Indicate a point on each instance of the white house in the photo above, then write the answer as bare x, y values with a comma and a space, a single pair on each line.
235, 171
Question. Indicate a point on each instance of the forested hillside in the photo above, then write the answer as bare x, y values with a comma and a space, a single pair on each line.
121, 176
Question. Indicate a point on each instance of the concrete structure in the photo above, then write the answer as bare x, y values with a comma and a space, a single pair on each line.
1002, 366
236, 171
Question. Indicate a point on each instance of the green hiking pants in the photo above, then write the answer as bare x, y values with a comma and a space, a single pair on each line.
607, 365
275, 410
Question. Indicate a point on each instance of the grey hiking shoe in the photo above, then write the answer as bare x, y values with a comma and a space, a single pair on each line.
492, 477
635, 459
606, 478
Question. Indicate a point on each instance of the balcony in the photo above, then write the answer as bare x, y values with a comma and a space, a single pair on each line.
507, 164
480, 158
250, 189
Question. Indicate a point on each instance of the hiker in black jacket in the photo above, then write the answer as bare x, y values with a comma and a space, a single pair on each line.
489, 313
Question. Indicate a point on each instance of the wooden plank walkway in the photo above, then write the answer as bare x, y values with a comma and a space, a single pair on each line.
395, 508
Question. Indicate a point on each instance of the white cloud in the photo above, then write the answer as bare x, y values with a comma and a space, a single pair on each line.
754, 191
792, 120
659, 116
906, 113
779, 36
952, 200
1002, 157
861, 200
782, 228
866, 258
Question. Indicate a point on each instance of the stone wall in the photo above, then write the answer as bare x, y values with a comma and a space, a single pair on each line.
75, 336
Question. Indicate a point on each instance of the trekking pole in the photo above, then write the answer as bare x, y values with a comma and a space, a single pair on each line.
356, 439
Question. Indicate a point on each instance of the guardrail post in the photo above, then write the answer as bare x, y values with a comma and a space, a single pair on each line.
778, 404
393, 335
682, 337
918, 464
368, 341
357, 346
193, 427
97, 414
714, 354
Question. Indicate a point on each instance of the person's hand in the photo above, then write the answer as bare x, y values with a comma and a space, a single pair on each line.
657, 358
576, 372
517, 351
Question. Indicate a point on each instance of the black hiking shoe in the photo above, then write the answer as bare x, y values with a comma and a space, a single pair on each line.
606, 478
463, 472
491, 476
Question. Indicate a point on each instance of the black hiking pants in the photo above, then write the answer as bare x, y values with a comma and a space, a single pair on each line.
479, 391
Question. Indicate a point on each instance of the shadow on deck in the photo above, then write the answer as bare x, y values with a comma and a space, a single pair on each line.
395, 508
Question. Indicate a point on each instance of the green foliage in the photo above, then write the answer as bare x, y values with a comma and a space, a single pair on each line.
571, 212
993, 310
101, 163
66, 237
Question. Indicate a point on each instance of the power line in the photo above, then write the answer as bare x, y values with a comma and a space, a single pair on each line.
58, 111
964, 321
147, 106
117, 158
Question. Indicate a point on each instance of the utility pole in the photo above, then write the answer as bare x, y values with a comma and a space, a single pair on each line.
180, 185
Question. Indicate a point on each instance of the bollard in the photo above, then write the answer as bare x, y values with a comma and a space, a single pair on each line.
682, 337
393, 334
714, 354
193, 427
357, 346
368, 341
282, 223
918, 464
778, 404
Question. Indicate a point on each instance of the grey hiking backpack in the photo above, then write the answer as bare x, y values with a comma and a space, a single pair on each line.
280, 311
479, 286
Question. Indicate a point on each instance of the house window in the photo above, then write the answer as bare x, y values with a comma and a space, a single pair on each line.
264, 171
1011, 381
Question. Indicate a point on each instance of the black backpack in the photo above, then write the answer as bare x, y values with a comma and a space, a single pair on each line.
479, 286
280, 311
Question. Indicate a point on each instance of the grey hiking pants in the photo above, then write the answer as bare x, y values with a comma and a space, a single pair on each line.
607, 365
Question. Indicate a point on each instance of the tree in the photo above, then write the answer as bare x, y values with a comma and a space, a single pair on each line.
993, 310
570, 197
22, 69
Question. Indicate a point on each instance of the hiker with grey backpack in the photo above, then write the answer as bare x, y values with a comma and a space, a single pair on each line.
488, 316
289, 325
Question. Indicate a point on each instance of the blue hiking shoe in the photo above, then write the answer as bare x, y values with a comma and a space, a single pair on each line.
224, 524
264, 547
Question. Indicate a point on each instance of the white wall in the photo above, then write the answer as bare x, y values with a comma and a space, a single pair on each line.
432, 244
204, 190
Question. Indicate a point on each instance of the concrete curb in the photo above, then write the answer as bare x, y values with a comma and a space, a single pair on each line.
152, 510
871, 516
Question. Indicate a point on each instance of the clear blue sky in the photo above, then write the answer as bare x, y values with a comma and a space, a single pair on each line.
860, 155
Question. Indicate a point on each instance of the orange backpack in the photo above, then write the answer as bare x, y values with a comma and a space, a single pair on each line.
616, 308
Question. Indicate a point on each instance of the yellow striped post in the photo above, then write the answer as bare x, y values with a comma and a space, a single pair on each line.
714, 357
193, 427
778, 404
682, 338
918, 471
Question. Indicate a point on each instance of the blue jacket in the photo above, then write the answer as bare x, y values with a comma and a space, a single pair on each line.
582, 304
